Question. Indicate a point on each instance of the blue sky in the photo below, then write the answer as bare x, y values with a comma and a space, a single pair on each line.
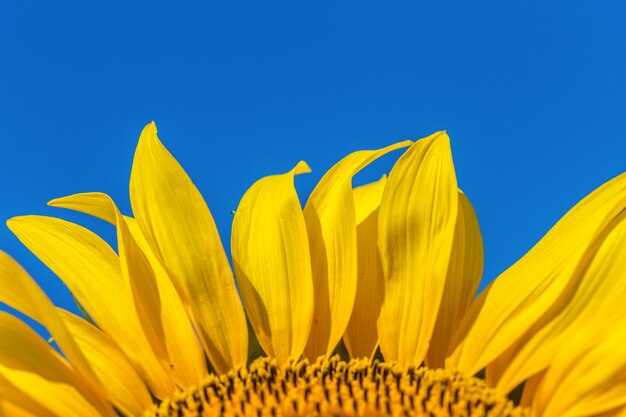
533, 95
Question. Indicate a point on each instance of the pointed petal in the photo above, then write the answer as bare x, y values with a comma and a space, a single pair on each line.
176, 221
95, 204
19, 291
31, 365
517, 299
416, 228
331, 224
585, 381
367, 199
270, 251
160, 308
118, 377
595, 294
91, 270
361, 337
464, 274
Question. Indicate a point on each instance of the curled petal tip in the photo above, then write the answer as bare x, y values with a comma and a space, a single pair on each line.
302, 168
13, 221
149, 130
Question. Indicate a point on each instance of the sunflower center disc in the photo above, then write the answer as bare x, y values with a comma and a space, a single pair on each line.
337, 388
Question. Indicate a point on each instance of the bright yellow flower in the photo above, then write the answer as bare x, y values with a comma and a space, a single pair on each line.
390, 268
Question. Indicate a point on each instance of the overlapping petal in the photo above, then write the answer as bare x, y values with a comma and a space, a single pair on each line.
91, 270
587, 377
417, 221
158, 304
464, 273
178, 224
361, 337
525, 292
116, 374
95, 204
331, 225
595, 295
29, 364
15, 400
270, 251
19, 291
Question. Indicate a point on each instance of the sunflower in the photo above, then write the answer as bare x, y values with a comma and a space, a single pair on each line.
361, 303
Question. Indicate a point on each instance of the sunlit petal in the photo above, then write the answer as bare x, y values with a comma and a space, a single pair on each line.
517, 299
595, 294
271, 255
95, 204
585, 380
464, 274
416, 227
31, 365
118, 377
19, 291
361, 337
331, 224
176, 221
159, 305
91, 270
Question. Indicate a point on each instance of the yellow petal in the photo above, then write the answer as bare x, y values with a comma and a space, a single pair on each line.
361, 337
8, 409
176, 221
367, 199
270, 252
161, 311
416, 228
118, 377
19, 291
617, 412
331, 225
464, 274
95, 204
585, 380
594, 295
159, 306
20, 399
31, 365
91, 270
517, 299
530, 388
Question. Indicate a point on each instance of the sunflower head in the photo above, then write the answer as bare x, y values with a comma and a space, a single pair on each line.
386, 273
338, 388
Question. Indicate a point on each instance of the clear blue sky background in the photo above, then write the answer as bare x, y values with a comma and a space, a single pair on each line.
533, 95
